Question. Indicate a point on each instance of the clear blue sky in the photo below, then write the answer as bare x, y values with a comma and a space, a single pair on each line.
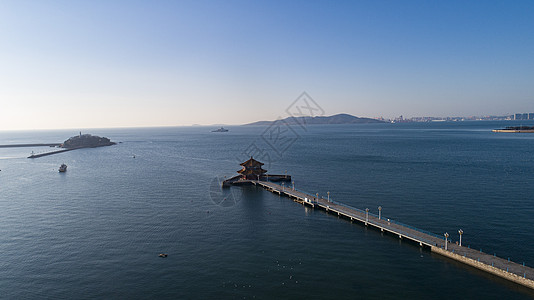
83, 64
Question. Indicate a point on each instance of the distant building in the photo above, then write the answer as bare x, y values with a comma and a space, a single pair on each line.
524, 116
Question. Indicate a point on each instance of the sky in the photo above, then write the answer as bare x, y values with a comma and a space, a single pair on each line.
97, 64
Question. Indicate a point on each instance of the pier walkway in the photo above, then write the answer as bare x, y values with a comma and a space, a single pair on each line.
504, 268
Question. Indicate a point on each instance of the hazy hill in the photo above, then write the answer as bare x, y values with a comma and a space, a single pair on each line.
335, 119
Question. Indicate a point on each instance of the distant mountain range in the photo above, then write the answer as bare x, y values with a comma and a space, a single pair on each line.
335, 119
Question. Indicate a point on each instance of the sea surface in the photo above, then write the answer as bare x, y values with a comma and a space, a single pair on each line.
95, 232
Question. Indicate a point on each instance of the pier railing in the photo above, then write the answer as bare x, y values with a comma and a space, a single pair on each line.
418, 229
506, 269
388, 220
288, 189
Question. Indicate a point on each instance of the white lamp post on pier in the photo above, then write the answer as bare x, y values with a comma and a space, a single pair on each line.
446, 237
366, 215
380, 212
460, 232
328, 193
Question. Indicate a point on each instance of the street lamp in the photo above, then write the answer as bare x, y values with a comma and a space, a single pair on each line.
366, 215
316, 197
380, 212
460, 232
446, 237
293, 185
328, 193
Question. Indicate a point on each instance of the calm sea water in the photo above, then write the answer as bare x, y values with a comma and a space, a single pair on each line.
96, 230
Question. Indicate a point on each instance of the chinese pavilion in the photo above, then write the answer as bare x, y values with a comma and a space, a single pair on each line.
252, 170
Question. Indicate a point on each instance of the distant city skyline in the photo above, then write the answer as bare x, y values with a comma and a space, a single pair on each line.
505, 117
97, 64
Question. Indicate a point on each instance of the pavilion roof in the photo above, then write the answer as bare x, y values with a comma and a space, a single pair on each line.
251, 162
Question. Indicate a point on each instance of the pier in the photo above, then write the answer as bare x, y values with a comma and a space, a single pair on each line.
490, 263
252, 173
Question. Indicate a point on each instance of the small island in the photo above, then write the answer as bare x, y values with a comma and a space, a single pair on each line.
86, 141
77, 142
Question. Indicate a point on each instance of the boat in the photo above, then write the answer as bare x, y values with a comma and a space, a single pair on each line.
516, 129
63, 168
222, 129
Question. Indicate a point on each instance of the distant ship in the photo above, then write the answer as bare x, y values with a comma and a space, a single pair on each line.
222, 129
63, 168
516, 129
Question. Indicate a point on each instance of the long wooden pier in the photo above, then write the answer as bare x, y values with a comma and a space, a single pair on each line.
504, 268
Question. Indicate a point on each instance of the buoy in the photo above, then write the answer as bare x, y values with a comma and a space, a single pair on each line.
163, 255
